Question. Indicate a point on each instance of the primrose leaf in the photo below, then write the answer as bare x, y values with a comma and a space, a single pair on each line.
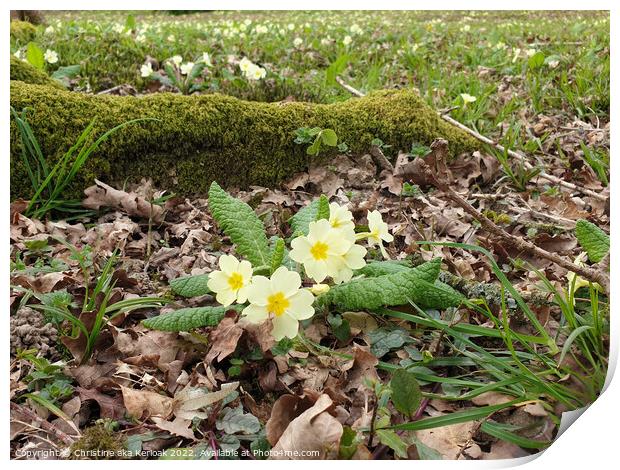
329, 137
241, 224
34, 55
191, 286
592, 239
187, 319
323, 209
277, 254
406, 394
417, 285
235, 420
300, 222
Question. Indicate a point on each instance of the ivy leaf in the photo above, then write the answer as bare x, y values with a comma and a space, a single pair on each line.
406, 394
592, 239
323, 208
382, 340
241, 224
235, 420
187, 319
300, 222
191, 286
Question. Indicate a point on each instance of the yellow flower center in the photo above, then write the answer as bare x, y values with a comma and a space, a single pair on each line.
277, 303
235, 281
336, 223
319, 250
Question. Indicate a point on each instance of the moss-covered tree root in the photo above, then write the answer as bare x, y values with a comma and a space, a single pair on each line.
199, 139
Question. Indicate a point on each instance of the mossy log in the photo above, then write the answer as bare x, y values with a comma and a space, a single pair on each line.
23, 71
22, 31
199, 139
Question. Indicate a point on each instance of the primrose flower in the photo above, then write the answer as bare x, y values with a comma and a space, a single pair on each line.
281, 298
245, 64
255, 72
232, 282
340, 217
49, 30
19, 54
171, 38
355, 29
146, 70
51, 57
347, 40
206, 59
187, 68
378, 231
176, 60
298, 42
260, 29
140, 38
318, 289
467, 98
321, 251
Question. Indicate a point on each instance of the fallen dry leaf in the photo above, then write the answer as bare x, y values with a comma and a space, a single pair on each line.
315, 434
101, 194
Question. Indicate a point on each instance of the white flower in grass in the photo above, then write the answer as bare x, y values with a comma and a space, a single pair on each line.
378, 231
176, 60
255, 72
49, 30
467, 98
146, 70
347, 40
187, 68
232, 282
206, 59
281, 298
51, 57
245, 64
340, 217
321, 251
19, 54
298, 42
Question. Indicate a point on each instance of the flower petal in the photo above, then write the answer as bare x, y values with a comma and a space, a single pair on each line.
226, 297
300, 249
285, 281
228, 264
217, 281
284, 326
259, 290
245, 268
255, 313
301, 305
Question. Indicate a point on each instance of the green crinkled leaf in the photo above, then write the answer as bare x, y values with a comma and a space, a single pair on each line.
417, 285
277, 254
323, 208
592, 239
191, 286
187, 319
381, 268
241, 224
300, 222
406, 394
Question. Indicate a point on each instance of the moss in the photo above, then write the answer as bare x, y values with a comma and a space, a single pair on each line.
22, 31
98, 442
23, 71
199, 139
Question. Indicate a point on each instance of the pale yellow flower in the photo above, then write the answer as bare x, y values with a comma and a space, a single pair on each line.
340, 217
378, 231
280, 298
231, 283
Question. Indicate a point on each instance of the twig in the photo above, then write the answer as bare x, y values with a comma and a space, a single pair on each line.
522, 158
349, 88
44, 424
380, 159
437, 178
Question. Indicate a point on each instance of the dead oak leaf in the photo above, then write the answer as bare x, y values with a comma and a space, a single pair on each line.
224, 339
315, 434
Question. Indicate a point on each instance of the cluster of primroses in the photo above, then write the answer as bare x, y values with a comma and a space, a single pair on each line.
329, 250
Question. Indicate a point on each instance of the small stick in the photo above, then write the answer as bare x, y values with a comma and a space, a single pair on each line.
437, 178
523, 159
44, 424
486, 140
381, 159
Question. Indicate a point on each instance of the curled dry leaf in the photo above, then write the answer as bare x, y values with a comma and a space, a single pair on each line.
139, 402
224, 338
453, 441
315, 434
101, 194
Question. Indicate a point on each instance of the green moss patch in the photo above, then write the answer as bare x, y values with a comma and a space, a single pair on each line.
22, 31
199, 139
23, 71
